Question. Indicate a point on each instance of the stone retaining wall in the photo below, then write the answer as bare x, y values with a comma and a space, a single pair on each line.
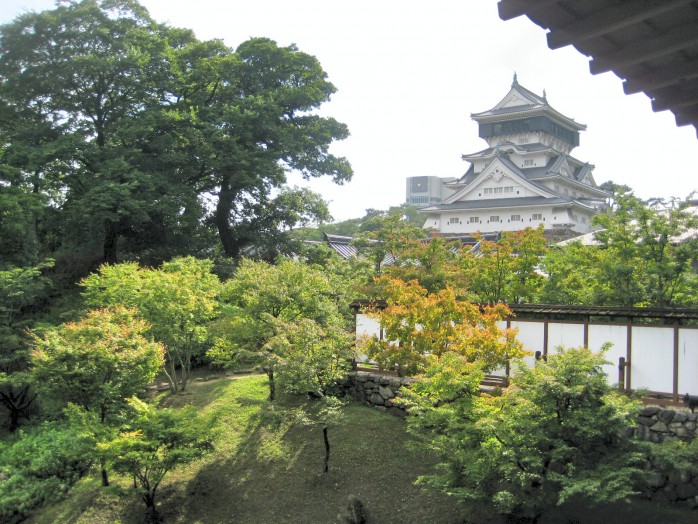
657, 425
377, 390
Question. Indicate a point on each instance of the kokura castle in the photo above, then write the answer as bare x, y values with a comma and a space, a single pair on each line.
525, 177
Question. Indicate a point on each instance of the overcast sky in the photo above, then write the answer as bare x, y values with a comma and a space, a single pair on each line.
409, 74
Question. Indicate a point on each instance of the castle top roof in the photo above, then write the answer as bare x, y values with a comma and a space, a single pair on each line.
520, 102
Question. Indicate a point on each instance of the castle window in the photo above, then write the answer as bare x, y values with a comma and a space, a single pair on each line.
453, 220
494, 218
537, 216
528, 162
487, 190
474, 220
515, 218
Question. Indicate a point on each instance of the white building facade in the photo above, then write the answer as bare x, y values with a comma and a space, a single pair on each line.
526, 177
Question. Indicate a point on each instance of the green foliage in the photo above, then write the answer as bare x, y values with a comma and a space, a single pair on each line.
21, 288
312, 359
644, 258
96, 363
556, 432
505, 270
284, 318
116, 129
155, 442
40, 466
573, 273
178, 300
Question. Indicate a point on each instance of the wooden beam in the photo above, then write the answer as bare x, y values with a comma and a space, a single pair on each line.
604, 21
686, 117
509, 9
662, 77
646, 49
675, 100
676, 361
629, 355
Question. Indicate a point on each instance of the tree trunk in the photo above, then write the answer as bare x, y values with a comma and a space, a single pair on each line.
224, 209
105, 476
272, 385
327, 449
16, 404
151, 513
111, 236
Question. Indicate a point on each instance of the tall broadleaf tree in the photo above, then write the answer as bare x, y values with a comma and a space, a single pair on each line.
255, 121
126, 126
87, 74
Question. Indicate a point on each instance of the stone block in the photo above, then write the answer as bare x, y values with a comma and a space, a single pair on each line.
385, 392
642, 433
655, 479
649, 411
397, 412
646, 421
666, 415
680, 416
660, 427
376, 400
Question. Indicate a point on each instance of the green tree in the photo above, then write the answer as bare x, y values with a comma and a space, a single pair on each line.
558, 431
572, 273
647, 252
41, 466
267, 310
505, 270
96, 364
178, 300
88, 76
21, 289
253, 120
153, 443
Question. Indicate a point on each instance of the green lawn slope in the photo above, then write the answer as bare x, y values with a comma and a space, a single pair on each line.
267, 469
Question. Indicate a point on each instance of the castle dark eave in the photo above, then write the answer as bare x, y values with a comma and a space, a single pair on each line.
651, 45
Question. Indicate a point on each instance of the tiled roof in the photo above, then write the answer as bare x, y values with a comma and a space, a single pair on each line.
651, 44
502, 203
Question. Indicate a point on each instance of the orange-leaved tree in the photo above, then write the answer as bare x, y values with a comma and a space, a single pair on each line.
422, 328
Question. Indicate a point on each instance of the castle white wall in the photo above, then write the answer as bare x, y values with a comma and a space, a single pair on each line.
652, 349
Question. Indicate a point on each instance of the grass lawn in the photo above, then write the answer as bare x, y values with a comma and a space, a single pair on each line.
268, 469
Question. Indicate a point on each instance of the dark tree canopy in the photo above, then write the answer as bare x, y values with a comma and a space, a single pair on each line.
121, 137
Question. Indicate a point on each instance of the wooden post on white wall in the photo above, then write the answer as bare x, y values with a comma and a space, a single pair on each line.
628, 356
676, 361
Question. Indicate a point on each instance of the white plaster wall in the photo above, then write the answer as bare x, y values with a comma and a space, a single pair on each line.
531, 336
599, 334
366, 327
652, 358
688, 361
564, 334
652, 349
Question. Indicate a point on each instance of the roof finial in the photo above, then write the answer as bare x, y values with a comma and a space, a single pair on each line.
514, 82
545, 97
